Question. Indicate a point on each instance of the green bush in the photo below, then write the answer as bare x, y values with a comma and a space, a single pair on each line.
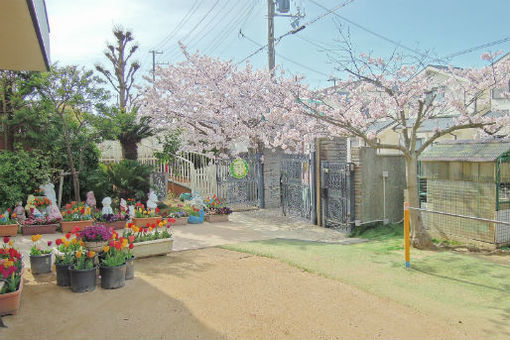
21, 173
126, 179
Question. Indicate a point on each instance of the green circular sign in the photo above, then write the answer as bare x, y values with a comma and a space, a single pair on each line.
239, 168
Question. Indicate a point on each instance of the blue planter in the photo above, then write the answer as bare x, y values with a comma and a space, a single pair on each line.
196, 219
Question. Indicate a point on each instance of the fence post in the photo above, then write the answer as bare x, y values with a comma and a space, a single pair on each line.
407, 243
260, 182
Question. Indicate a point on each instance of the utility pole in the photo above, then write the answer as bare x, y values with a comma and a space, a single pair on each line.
270, 35
154, 52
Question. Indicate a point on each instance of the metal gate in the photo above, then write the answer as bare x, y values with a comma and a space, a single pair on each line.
297, 186
239, 193
337, 205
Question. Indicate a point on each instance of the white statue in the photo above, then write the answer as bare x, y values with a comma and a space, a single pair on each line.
91, 199
152, 203
197, 201
107, 209
49, 191
123, 205
131, 210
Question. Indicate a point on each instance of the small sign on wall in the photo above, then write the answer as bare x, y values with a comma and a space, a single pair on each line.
239, 168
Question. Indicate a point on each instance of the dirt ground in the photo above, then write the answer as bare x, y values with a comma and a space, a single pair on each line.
218, 294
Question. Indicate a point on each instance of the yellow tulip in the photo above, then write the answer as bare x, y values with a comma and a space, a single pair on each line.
67, 243
11, 243
82, 243
63, 239
78, 254
106, 249
8, 264
91, 254
75, 241
36, 238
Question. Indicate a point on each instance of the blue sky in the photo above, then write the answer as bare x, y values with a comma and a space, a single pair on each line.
80, 28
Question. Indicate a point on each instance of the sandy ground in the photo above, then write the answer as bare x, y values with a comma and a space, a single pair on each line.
218, 294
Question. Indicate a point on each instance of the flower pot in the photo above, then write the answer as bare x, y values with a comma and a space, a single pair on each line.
8, 230
180, 221
196, 219
113, 277
130, 268
152, 248
141, 222
39, 229
115, 225
216, 218
96, 246
67, 227
9, 302
40, 263
83, 280
63, 275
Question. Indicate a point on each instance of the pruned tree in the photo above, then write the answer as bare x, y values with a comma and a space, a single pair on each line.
122, 74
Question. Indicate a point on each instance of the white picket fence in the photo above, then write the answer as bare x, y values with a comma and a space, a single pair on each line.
194, 171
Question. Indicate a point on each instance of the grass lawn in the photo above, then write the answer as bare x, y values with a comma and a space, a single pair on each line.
457, 287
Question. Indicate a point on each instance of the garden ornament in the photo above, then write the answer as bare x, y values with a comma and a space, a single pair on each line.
152, 203
107, 209
131, 210
91, 199
49, 191
30, 204
123, 205
20, 211
197, 201
4, 216
54, 213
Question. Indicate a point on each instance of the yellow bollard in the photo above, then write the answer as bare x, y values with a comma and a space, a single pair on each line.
407, 243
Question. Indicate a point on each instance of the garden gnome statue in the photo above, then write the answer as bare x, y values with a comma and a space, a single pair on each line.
107, 209
54, 213
152, 203
30, 207
49, 191
123, 205
91, 199
20, 211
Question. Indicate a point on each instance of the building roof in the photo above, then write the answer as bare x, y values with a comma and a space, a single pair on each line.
466, 150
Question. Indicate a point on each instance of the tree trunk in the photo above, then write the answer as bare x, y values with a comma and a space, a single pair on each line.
74, 173
420, 238
129, 150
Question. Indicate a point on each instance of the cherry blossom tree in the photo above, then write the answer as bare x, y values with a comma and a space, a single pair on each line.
407, 96
218, 105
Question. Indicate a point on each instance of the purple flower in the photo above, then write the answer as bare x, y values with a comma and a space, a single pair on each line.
96, 233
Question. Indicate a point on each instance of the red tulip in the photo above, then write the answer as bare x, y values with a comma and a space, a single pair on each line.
9, 210
157, 210
49, 243
131, 238
6, 239
153, 225
58, 241
148, 224
171, 220
68, 236
131, 246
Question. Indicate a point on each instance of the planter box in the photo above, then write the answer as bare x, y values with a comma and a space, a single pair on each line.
115, 225
141, 222
180, 221
67, 227
9, 230
152, 248
39, 229
9, 302
216, 218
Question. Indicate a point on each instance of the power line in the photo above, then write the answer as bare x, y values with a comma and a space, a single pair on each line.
284, 57
472, 49
300, 28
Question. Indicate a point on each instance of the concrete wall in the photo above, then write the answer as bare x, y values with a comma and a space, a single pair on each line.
272, 170
369, 197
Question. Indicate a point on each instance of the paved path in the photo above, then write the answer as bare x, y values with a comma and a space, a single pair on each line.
243, 227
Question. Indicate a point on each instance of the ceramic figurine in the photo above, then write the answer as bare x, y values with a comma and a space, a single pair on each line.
123, 205
20, 212
152, 203
107, 209
54, 213
49, 192
91, 199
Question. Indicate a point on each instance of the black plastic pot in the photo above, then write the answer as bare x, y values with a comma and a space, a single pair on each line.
83, 280
40, 263
63, 275
113, 277
130, 268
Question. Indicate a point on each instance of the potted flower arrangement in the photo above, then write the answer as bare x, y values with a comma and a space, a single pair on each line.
75, 214
113, 265
8, 224
177, 211
83, 272
151, 240
216, 210
95, 237
64, 257
39, 225
117, 220
196, 215
11, 274
40, 259
144, 216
